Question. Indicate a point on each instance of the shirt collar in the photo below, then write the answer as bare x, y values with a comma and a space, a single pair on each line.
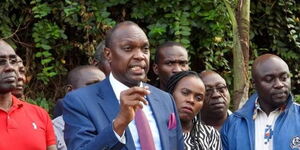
16, 103
117, 86
258, 109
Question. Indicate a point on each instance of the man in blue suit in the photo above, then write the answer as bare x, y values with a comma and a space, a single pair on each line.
101, 116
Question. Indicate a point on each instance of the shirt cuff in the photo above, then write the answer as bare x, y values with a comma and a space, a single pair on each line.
121, 139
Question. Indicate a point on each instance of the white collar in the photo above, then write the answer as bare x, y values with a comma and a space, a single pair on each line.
117, 86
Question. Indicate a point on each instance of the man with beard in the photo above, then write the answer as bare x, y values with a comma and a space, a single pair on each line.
217, 99
270, 119
23, 126
108, 115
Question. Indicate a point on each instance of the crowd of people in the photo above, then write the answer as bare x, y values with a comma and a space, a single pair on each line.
109, 105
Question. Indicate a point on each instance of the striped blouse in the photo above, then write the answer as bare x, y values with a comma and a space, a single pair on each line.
202, 137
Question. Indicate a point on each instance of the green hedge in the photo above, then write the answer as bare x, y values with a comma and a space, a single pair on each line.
54, 36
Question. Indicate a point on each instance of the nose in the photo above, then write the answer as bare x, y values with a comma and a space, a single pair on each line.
215, 93
140, 55
9, 67
20, 77
176, 68
278, 83
190, 99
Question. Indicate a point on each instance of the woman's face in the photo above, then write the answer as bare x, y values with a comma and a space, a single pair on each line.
189, 96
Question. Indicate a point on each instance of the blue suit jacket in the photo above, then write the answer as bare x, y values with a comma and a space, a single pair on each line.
89, 112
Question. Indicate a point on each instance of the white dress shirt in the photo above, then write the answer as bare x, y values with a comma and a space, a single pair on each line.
264, 127
59, 127
118, 87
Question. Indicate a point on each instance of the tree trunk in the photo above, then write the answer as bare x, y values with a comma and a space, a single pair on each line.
240, 19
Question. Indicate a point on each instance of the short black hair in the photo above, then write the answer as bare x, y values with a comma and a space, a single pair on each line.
172, 82
99, 53
164, 45
109, 34
74, 74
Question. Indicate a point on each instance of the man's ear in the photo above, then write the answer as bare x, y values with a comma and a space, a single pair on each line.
155, 69
69, 88
107, 54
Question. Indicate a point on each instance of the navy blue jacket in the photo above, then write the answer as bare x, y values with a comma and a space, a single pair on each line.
89, 112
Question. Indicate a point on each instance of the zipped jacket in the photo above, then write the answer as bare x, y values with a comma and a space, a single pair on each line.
238, 131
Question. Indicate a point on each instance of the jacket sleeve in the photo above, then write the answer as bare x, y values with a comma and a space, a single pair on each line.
224, 133
180, 142
80, 131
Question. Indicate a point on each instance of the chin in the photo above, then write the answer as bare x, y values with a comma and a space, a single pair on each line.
138, 78
280, 101
186, 117
218, 111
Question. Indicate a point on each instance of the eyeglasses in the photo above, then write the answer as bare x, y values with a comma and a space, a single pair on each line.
221, 89
4, 61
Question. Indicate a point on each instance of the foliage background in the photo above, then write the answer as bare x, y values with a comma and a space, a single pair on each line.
54, 36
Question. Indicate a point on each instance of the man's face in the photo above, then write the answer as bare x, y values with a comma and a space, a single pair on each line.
88, 76
171, 60
129, 55
18, 92
272, 81
8, 61
217, 96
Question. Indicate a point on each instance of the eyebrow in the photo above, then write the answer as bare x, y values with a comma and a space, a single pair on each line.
176, 60
125, 41
5, 56
280, 74
217, 84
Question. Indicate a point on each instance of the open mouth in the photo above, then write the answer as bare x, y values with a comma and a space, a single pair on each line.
138, 69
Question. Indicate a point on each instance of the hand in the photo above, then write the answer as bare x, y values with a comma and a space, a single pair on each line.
130, 100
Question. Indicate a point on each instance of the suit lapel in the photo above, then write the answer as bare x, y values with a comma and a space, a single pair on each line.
157, 109
108, 101
110, 106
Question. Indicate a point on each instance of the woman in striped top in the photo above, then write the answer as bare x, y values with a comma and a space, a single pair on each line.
188, 91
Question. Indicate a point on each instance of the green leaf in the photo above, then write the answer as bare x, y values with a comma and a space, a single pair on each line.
46, 61
46, 47
46, 54
41, 10
38, 54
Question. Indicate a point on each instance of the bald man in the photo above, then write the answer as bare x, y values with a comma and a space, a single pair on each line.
79, 77
217, 99
270, 119
108, 115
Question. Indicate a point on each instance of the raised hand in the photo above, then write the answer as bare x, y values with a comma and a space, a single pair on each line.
130, 100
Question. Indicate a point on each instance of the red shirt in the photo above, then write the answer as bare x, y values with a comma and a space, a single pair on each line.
25, 127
